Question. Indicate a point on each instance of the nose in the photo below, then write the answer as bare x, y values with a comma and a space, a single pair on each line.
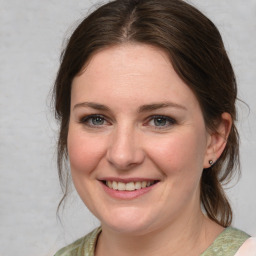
125, 150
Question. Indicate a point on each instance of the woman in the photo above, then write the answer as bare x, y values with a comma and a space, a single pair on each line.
145, 95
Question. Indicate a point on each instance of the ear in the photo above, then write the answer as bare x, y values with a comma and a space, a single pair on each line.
217, 140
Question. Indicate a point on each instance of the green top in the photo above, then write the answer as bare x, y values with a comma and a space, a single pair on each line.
226, 244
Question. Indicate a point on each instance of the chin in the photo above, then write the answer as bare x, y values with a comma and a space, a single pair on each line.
130, 220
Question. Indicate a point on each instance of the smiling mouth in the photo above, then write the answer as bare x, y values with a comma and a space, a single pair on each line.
129, 186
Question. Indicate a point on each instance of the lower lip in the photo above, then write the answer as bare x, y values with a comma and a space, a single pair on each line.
128, 195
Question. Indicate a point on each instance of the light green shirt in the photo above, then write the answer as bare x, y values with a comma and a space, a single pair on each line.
226, 244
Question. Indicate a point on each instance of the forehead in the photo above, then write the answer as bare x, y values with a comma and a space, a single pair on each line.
133, 72
128, 58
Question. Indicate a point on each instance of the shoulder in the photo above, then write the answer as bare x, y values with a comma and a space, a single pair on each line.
227, 243
82, 246
248, 248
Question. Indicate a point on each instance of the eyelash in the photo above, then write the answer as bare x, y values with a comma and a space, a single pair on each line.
88, 121
166, 119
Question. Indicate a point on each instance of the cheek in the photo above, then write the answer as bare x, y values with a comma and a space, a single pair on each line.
85, 152
179, 154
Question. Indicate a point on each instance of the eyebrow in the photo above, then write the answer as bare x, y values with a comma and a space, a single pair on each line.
143, 108
155, 106
92, 105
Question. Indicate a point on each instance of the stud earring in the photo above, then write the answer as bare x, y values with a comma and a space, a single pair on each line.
210, 162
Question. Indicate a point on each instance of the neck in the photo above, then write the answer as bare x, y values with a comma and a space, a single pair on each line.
187, 236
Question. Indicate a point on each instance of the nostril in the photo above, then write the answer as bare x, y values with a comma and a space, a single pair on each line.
124, 151
125, 159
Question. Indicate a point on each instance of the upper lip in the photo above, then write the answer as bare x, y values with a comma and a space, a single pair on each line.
126, 180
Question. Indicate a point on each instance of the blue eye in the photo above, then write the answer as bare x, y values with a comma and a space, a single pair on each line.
97, 120
160, 122
94, 120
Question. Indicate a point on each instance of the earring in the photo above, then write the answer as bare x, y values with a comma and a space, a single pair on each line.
210, 162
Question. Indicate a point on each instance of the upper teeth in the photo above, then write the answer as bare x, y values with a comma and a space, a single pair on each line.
130, 186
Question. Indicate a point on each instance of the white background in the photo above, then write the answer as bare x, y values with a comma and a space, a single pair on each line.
31, 38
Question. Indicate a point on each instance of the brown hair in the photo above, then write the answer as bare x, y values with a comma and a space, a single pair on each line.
197, 53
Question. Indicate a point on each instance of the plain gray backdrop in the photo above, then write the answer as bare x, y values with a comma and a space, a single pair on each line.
32, 34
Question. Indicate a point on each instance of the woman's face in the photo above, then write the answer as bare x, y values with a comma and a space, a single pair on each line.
137, 141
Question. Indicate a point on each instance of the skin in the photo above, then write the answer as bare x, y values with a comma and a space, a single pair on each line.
128, 142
